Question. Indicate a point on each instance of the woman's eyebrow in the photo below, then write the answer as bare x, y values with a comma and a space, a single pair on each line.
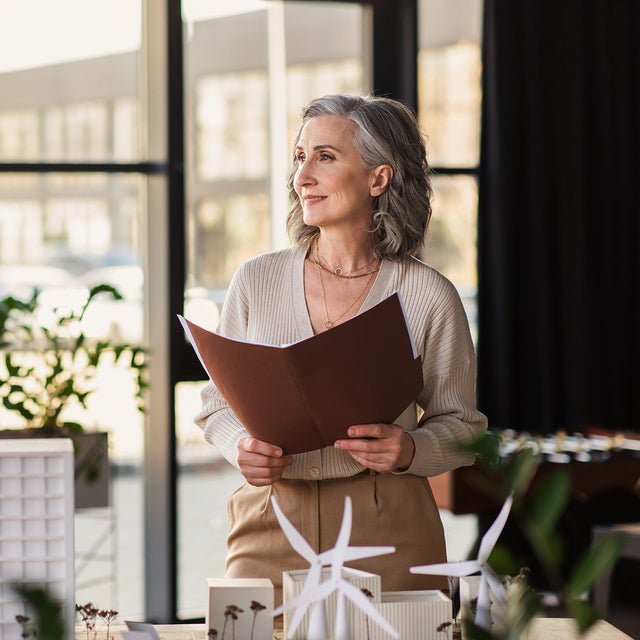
318, 147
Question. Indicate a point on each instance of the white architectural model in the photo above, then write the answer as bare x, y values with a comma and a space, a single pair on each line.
489, 581
316, 590
36, 526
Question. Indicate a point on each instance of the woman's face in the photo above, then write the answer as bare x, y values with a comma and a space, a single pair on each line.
331, 181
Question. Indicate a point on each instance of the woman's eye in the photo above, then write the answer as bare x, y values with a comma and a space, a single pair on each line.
326, 156
300, 157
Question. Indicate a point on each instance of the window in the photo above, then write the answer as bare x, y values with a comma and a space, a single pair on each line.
68, 100
449, 94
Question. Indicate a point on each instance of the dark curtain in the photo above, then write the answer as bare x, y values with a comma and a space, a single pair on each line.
559, 215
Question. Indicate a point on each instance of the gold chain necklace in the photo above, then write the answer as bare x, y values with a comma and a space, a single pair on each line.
338, 272
330, 323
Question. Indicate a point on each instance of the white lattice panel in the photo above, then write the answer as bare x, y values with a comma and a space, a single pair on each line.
36, 525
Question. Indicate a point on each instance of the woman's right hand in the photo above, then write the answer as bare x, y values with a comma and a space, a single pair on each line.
261, 463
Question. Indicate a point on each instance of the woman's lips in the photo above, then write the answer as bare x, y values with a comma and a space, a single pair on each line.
313, 199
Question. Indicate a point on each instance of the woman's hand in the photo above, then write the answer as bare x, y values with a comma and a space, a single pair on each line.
261, 463
380, 447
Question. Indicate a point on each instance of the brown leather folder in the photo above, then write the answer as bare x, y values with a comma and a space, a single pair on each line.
305, 395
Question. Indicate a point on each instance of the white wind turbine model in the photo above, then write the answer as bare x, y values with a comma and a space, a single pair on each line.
488, 578
315, 592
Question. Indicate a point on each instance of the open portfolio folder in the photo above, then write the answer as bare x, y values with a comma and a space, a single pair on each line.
305, 395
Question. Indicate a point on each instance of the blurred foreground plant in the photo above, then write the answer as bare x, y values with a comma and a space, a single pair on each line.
49, 618
537, 510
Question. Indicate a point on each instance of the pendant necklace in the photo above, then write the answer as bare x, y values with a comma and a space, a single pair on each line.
330, 323
338, 272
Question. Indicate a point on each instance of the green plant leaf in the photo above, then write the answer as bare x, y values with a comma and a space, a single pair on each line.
583, 613
13, 367
502, 560
474, 632
548, 545
522, 470
486, 447
19, 407
105, 288
73, 427
598, 560
550, 500
48, 610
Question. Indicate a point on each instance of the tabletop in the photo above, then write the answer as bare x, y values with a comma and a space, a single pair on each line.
541, 629
165, 631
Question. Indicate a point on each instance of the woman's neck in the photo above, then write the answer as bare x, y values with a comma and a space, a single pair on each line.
345, 254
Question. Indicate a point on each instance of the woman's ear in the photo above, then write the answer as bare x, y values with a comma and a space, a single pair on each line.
381, 178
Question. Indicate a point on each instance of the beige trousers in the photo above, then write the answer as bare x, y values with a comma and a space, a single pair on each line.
388, 509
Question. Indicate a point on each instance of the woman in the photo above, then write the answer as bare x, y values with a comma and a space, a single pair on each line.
360, 206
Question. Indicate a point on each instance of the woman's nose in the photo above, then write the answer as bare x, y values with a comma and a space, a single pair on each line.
304, 175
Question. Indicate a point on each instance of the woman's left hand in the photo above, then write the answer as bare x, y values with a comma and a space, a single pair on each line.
380, 447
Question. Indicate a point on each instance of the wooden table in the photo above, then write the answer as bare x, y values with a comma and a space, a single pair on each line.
542, 629
565, 628
165, 631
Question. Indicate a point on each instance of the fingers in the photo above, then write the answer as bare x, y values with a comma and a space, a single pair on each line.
261, 463
380, 447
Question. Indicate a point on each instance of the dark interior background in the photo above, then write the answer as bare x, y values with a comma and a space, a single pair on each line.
559, 276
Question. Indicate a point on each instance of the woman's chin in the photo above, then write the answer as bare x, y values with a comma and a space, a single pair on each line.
312, 220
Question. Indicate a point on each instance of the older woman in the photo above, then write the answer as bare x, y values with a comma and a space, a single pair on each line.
360, 206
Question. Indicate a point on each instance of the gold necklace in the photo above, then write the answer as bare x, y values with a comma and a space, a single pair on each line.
338, 271
330, 323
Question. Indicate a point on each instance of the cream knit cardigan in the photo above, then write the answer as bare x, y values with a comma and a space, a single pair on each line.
265, 303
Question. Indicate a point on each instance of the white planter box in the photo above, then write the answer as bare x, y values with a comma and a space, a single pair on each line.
293, 583
241, 593
469, 587
415, 615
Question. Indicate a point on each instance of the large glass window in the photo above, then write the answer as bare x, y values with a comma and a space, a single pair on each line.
69, 88
69, 94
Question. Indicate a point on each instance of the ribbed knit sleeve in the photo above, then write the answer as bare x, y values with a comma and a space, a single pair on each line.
446, 406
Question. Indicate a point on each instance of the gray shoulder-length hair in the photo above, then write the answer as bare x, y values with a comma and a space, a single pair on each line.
386, 132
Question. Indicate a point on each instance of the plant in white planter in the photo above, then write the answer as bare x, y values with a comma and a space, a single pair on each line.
49, 365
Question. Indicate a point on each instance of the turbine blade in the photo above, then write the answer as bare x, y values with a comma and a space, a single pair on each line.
357, 553
341, 629
495, 584
366, 606
312, 580
295, 538
318, 628
490, 538
464, 568
483, 606
305, 598
354, 553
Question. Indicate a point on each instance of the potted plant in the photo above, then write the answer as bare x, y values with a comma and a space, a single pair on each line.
48, 366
